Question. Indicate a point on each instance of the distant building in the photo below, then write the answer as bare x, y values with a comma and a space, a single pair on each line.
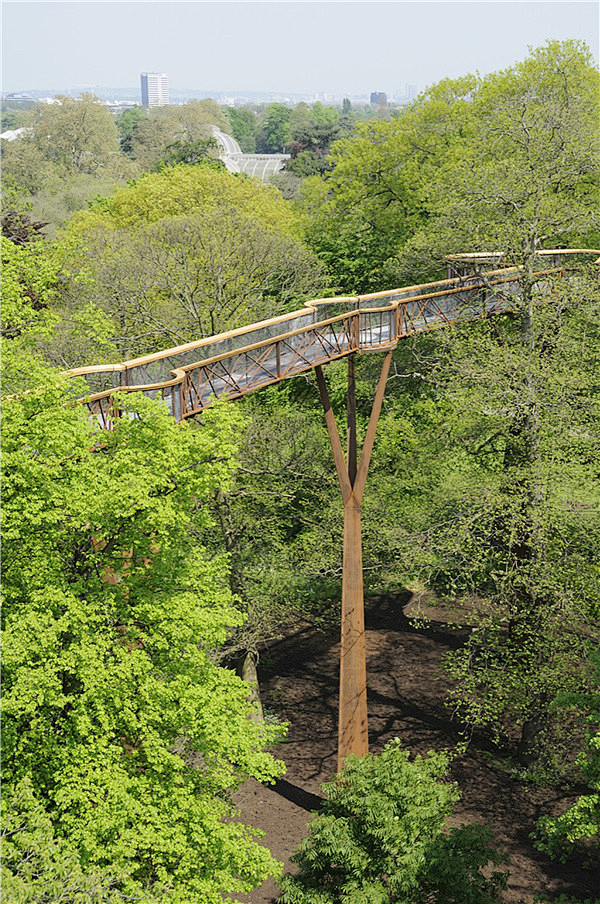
155, 89
378, 99
12, 134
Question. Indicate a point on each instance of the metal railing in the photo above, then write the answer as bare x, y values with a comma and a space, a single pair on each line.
189, 377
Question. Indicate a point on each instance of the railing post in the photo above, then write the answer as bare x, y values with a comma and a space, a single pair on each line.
355, 331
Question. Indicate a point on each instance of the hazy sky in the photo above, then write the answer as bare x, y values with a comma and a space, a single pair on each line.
336, 47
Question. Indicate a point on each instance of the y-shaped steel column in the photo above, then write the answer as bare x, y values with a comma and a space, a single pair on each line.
353, 732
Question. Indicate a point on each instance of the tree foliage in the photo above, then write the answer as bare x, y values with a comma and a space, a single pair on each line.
273, 135
165, 277
380, 837
126, 124
152, 134
78, 134
38, 867
130, 735
506, 161
579, 825
243, 122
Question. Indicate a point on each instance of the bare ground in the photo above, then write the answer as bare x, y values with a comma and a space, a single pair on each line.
405, 697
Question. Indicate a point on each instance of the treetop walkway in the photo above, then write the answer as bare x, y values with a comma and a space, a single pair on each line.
188, 378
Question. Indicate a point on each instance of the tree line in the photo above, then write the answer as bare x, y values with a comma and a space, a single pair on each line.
73, 149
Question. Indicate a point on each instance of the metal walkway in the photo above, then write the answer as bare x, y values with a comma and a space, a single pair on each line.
189, 377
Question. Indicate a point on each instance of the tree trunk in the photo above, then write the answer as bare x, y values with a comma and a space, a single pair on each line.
532, 745
246, 669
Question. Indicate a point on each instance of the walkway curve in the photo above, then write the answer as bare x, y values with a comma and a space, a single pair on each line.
229, 365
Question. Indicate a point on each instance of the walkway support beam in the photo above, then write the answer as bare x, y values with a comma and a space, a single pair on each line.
353, 732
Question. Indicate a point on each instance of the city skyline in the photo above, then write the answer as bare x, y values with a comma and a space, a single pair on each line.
335, 48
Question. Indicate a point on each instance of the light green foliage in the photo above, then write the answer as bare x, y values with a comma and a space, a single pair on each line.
509, 161
187, 277
13, 118
380, 838
30, 276
528, 176
38, 867
131, 736
70, 154
373, 199
187, 189
34, 276
58, 199
324, 115
25, 163
166, 278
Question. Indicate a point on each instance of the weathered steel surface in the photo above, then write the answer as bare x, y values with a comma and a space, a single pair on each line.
353, 731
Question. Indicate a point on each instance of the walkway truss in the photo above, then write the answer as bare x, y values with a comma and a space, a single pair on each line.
189, 377
230, 365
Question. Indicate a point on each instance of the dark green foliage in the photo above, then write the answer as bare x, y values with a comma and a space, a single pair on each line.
243, 127
380, 839
306, 162
126, 124
17, 223
273, 136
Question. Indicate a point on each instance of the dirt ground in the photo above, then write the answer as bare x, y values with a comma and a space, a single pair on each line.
405, 698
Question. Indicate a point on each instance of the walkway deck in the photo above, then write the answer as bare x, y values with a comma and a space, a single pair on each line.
189, 377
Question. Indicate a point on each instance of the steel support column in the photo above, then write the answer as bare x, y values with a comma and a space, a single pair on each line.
353, 733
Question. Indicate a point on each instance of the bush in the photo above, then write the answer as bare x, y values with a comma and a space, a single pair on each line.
380, 838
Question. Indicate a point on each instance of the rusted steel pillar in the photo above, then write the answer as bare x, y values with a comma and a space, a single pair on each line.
353, 732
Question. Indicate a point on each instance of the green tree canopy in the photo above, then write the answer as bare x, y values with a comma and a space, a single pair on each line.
273, 134
192, 121
130, 737
126, 124
474, 163
186, 253
78, 134
185, 189
243, 127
